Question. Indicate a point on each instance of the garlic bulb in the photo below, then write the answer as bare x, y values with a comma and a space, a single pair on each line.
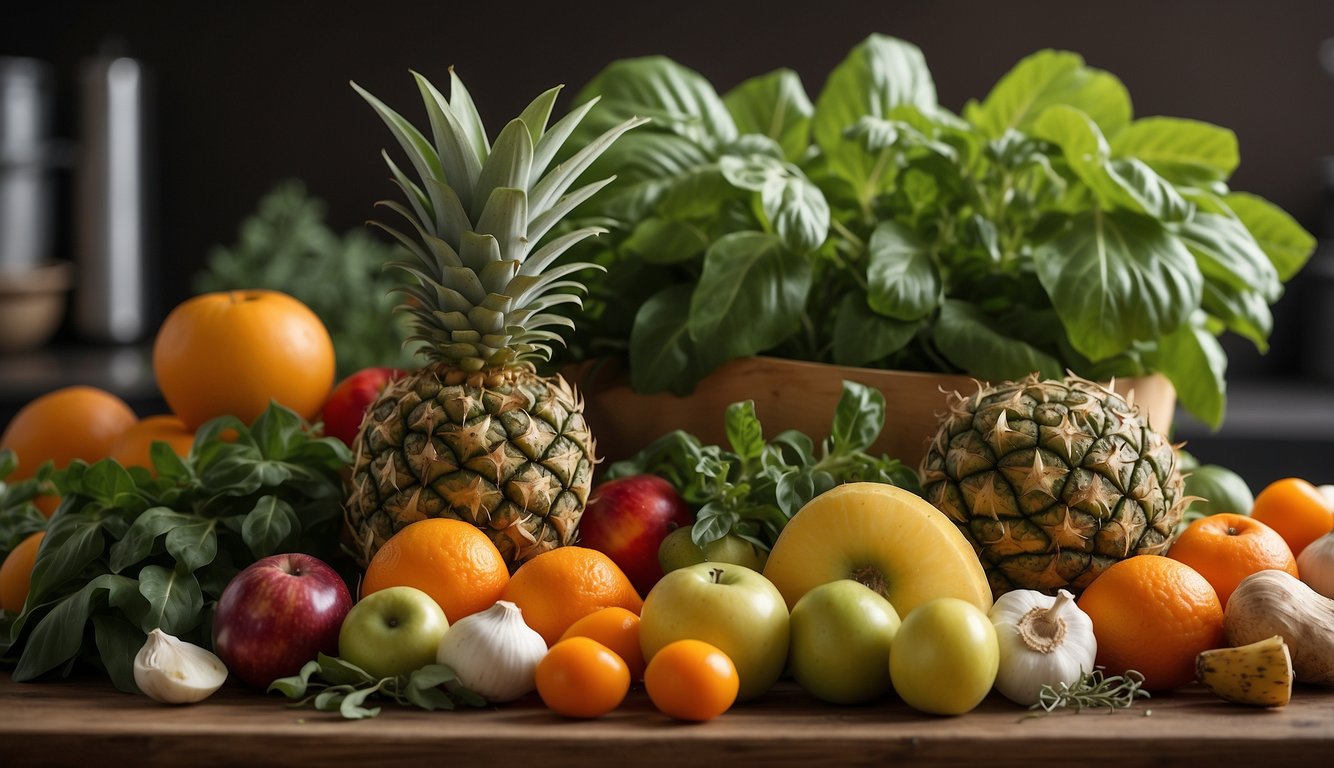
173, 671
1044, 640
494, 653
1316, 565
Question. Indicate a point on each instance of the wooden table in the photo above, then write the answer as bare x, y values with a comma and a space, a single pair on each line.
88, 723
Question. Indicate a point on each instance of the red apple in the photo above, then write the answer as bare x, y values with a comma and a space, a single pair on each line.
627, 519
350, 399
277, 614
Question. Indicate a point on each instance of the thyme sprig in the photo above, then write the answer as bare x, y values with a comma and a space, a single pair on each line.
1093, 690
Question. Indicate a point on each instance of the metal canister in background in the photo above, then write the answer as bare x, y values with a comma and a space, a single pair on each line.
111, 241
27, 192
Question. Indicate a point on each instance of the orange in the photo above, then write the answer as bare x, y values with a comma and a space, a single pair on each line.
580, 677
1226, 548
134, 448
560, 586
232, 352
691, 680
450, 560
616, 628
1153, 614
72, 423
1296, 509
16, 573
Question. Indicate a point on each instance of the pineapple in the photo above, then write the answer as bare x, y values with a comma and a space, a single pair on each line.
476, 434
1053, 481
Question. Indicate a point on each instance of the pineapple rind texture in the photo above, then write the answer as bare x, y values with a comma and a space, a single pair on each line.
1052, 481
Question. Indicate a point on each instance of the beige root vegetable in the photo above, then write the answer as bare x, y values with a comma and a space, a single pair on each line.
1315, 565
1274, 602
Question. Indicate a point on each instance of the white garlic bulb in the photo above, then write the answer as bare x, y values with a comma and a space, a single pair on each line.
1044, 641
172, 671
494, 653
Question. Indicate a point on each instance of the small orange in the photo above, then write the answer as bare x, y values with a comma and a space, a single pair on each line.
691, 680
134, 448
1227, 547
560, 586
1153, 614
448, 559
580, 677
1296, 509
16, 573
618, 629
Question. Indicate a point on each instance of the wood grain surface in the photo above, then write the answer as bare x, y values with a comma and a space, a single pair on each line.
88, 723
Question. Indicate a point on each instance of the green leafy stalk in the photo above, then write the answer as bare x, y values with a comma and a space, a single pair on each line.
753, 489
333, 685
129, 551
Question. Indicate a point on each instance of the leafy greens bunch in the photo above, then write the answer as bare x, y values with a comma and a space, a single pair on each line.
1042, 229
19, 516
128, 551
756, 487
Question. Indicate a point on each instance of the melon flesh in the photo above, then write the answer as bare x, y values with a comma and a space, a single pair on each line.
885, 537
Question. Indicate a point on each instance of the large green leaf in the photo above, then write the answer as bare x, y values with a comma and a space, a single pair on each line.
902, 280
797, 210
1046, 79
1242, 311
1227, 252
1196, 364
1183, 151
750, 295
666, 241
661, 352
677, 99
774, 105
968, 339
1117, 278
877, 75
862, 336
1286, 243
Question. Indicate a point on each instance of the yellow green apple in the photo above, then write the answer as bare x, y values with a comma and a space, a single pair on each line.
841, 636
678, 550
945, 657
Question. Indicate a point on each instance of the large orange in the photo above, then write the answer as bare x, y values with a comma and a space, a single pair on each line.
1153, 614
450, 560
1226, 548
16, 573
1296, 509
76, 422
561, 586
232, 352
134, 448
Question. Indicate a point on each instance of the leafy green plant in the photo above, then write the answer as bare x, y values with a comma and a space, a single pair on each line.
128, 551
1042, 229
755, 488
286, 245
333, 685
19, 517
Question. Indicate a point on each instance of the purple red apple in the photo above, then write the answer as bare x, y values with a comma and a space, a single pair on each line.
351, 398
627, 519
277, 614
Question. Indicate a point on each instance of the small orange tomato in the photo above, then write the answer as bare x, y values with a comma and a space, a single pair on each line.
618, 629
16, 573
232, 352
691, 680
1296, 509
580, 677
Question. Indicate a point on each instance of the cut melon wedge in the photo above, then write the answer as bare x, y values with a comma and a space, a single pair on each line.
887, 538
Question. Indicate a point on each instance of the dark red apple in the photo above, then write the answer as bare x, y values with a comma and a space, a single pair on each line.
627, 519
277, 614
350, 399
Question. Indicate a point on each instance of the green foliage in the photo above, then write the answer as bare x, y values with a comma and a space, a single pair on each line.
19, 517
1043, 228
127, 552
334, 685
753, 489
286, 245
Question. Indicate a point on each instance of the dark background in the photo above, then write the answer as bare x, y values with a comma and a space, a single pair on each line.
249, 93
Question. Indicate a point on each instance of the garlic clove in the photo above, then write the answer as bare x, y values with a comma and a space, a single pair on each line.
494, 652
172, 671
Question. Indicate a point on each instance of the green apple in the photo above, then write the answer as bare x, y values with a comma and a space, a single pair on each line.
678, 550
394, 631
726, 605
841, 635
945, 657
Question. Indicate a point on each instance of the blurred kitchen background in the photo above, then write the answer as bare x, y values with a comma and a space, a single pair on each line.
135, 137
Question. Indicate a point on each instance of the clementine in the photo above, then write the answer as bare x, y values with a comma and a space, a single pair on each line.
691, 680
580, 677
618, 629
134, 448
1154, 615
1227, 547
560, 586
1296, 509
450, 560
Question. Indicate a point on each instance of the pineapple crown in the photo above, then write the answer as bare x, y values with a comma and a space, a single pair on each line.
480, 291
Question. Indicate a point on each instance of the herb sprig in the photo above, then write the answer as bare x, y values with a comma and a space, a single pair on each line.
331, 684
1093, 690
753, 489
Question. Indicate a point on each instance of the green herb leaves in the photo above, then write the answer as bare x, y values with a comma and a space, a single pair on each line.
1043, 229
754, 488
128, 552
334, 685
